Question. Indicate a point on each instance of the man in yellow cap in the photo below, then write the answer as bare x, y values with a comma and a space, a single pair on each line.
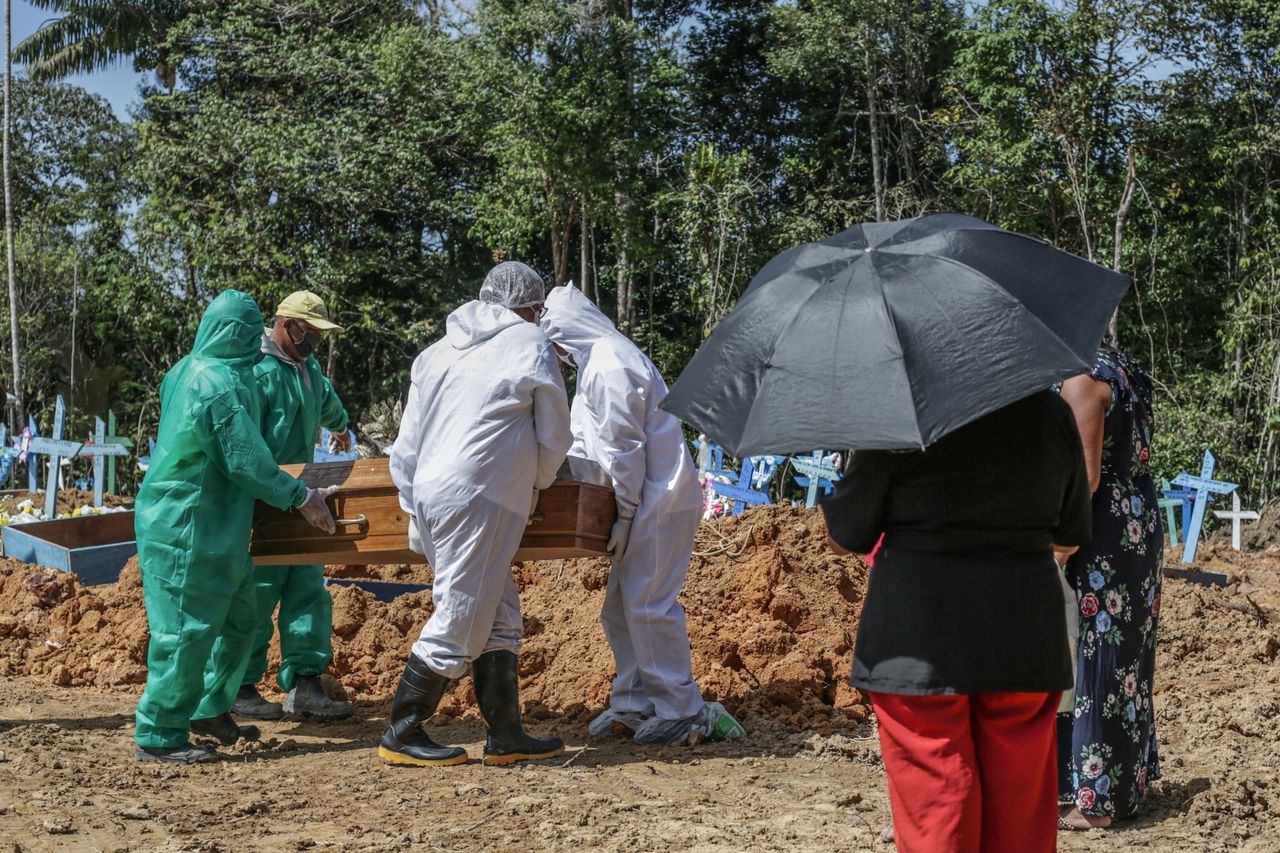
297, 400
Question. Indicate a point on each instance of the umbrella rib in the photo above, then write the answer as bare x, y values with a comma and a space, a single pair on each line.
990, 282
773, 348
902, 354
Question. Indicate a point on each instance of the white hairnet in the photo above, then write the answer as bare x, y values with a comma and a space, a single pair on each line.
512, 284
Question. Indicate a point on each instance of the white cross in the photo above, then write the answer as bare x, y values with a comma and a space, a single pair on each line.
1236, 515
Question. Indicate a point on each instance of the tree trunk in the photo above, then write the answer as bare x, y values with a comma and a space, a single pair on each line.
623, 298
873, 114
8, 215
1122, 214
584, 252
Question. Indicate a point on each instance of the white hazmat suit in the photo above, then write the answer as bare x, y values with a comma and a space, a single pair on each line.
617, 424
487, 423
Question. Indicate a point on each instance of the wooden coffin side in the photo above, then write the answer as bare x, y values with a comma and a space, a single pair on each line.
574, 521
577, 519
372, 529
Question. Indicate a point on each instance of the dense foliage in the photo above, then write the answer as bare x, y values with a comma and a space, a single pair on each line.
384, 153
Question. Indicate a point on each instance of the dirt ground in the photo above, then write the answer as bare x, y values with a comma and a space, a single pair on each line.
768, 615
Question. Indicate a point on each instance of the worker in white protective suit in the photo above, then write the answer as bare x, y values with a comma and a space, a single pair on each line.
617, 424
485, 428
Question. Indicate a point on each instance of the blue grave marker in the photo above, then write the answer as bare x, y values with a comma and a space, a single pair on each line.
100, 450
817, 475
1203, 486
144, 462
1169, 498
123, 441
7, 453
753, 479
31, 432
55, 448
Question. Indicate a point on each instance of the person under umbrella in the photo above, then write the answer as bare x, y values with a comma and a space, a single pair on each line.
1108, 752
617, 424
485, 429
962, 641
954, 328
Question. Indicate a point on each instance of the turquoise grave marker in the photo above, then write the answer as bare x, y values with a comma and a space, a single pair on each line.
1203, 486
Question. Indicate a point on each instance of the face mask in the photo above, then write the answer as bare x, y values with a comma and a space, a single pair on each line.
308, 344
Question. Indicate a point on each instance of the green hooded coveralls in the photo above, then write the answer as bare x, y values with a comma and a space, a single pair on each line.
292, 412
193, 516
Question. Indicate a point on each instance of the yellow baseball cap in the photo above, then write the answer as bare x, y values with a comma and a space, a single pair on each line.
305, 305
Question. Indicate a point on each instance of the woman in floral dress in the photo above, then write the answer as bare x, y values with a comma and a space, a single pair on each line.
1108, 745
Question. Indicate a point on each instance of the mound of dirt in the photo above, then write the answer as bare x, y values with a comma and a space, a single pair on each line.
68, 500
771, 616
1261, 534
77, 636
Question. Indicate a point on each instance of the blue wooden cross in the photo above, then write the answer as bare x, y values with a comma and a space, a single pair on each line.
30, 433
100, 450
144, 462
112, 438
754, 477
55, 448
1169, 498
817, 475
1203, 486
7, 453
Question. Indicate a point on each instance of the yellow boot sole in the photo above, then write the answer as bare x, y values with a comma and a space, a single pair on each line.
391, 757
512, 758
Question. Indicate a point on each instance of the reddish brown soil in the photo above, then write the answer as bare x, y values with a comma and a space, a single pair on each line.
771, 616
768, 614
68, 500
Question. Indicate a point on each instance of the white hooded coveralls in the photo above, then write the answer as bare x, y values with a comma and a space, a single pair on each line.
617, 424
487, 421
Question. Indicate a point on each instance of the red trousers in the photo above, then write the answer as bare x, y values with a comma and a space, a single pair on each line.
971, 774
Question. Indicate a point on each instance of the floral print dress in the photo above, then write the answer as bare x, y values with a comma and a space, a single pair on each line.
1112, 756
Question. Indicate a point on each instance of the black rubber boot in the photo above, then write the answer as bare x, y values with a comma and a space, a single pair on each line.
188, 753
251, 704
224, 728
308, 699
498, 695
415, 701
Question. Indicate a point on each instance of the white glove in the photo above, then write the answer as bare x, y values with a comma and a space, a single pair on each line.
415, 539
316, 511
620, 535
340, 442
533, 505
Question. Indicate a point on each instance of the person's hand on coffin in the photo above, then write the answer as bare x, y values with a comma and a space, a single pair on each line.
340, 442
316, 511
620, 535
415, 538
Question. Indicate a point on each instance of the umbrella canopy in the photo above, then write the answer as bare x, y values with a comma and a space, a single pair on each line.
890, 335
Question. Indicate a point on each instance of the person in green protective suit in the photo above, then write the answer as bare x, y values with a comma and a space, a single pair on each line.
192, 521
297, 400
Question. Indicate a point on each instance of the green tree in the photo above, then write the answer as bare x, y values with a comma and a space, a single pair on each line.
314, 144
93, 34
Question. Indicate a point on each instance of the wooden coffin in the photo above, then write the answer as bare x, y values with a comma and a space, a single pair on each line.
573, 519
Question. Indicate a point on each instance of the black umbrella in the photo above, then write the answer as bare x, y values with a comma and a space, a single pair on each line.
892, 334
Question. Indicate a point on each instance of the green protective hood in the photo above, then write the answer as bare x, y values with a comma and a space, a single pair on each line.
230, 331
